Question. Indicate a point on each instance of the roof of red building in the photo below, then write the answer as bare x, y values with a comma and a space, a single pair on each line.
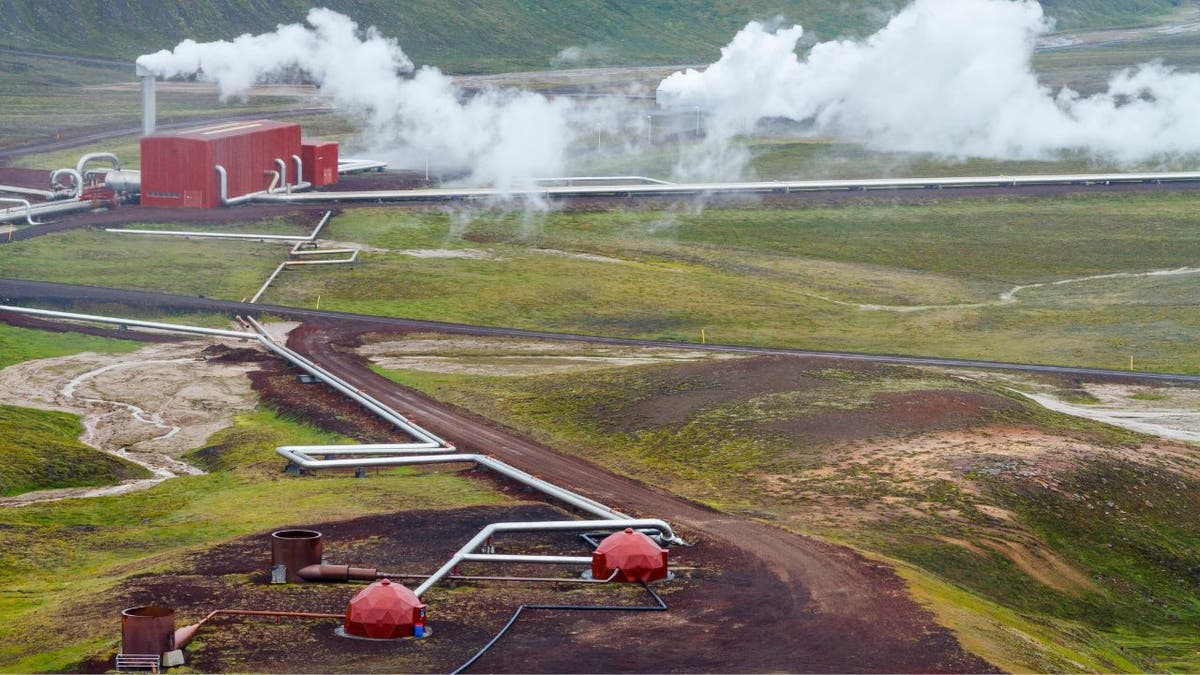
220, 130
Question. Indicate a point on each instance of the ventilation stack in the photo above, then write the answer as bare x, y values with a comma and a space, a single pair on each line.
149, 105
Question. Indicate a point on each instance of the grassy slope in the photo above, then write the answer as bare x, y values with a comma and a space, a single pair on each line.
480, 35
753, 276
1124, 527
38, 450
51, 554
23, 344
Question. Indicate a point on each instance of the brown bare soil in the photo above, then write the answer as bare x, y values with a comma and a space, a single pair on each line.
727, 613
38, 179
820, 607
896, 414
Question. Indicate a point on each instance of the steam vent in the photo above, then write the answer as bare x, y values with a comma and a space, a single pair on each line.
634, 554
385, 611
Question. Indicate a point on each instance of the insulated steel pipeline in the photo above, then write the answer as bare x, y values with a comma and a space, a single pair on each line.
685, 189
653, 524
428, 440
425, 442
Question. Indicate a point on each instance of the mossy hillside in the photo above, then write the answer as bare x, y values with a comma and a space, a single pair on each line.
39, 450
51, 554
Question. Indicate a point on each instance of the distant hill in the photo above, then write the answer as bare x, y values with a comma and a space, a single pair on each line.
489, 35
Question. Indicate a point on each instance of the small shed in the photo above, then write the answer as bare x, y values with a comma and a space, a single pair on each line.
320, 160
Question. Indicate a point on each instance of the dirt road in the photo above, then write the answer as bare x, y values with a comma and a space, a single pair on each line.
835, 610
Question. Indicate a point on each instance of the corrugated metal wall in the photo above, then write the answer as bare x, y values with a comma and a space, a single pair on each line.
320, 159
178, 170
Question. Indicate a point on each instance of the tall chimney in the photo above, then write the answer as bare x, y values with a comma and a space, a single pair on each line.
148, 104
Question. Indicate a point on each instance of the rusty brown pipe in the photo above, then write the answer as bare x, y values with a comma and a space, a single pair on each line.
184, 635
337, 573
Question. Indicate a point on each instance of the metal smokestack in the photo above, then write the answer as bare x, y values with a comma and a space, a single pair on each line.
148, 103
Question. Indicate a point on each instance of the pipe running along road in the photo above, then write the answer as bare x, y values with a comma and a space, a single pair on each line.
302, 456
685, 189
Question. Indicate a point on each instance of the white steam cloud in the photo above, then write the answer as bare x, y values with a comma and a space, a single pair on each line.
952, 77
500, 137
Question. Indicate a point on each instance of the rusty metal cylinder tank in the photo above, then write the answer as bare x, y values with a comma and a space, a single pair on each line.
294, 550
147, 630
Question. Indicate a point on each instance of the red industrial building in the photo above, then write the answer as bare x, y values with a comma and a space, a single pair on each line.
181, 169
320, 160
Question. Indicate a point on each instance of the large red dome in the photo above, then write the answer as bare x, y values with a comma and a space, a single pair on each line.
634, 554
384, 610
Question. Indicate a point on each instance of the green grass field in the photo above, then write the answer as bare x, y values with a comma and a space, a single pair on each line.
23, 344
885, 278
39, 450
52, 554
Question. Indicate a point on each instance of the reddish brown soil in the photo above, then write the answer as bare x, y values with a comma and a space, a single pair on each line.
814, 607
38, 179
727, 613
896, 414
26, 321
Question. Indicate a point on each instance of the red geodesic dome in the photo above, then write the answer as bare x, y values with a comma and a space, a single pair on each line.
384, 611
634, 554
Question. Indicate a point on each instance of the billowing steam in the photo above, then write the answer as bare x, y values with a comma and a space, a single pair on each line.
500, 136
952, 77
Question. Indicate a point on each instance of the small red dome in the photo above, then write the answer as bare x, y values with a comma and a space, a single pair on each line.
384, 610
634, 554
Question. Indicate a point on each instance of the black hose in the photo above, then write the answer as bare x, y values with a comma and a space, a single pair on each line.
660, 606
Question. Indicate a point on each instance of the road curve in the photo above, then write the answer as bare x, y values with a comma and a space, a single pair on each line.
20, 291
819, 588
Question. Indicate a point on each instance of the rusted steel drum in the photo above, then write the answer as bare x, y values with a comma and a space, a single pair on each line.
147, 630
295, 550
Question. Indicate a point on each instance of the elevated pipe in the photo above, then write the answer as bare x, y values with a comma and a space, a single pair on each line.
211, 235
28, 208
93, 156
303, 461
546, 526
684, 189
281, 167
52, 208
175, 328
223, 189
542, 559
342, 386
263, 338
75, 174
32, 192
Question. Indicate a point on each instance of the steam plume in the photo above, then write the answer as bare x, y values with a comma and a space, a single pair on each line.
952, 77
500, 136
